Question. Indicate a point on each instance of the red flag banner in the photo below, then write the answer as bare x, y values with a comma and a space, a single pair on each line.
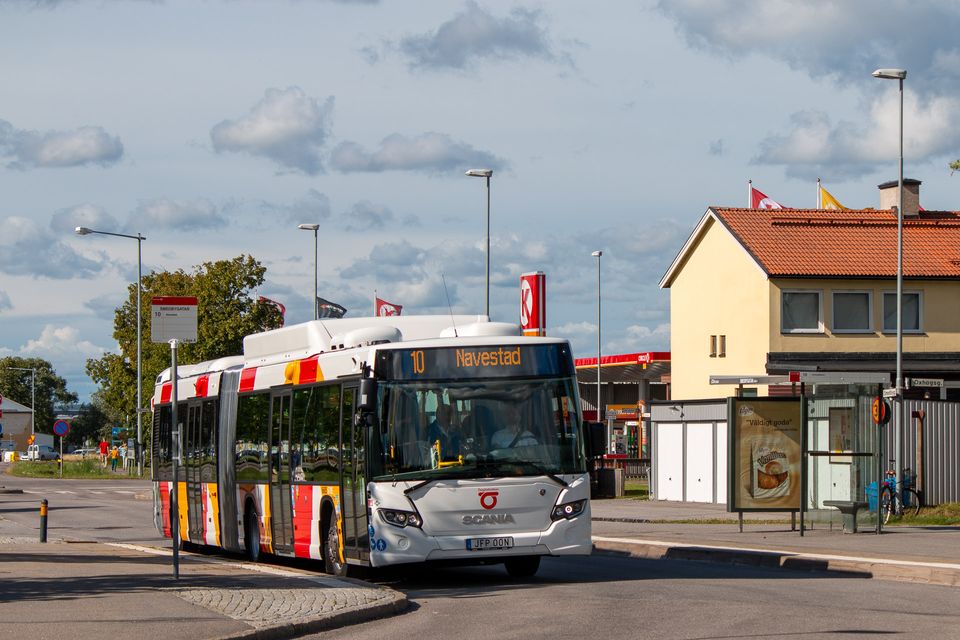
759, 200
282, 309
385, 308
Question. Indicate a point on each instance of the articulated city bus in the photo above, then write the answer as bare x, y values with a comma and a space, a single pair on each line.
380, 441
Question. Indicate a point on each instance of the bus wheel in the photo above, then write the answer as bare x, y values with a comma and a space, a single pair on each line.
331, 552
251, 536
523, 566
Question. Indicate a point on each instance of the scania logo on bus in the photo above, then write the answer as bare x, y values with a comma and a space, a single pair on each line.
488, 498
489, 518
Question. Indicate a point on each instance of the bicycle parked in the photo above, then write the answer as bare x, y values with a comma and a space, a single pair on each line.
898, 497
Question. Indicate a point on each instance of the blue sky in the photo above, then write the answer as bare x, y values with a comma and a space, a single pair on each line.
214, 128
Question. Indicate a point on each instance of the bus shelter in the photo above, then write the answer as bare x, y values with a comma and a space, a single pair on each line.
817, 453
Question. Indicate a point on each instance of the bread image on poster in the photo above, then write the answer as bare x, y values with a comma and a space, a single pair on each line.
767, 455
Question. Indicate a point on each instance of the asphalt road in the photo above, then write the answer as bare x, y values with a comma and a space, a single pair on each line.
79, 510
608, 596
615, 597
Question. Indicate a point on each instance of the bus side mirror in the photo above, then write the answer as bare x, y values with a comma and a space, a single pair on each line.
368, 395
596, 439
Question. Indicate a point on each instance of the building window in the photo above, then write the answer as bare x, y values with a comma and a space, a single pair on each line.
852, 312
723, 347
713, 346
800, 312
912, 305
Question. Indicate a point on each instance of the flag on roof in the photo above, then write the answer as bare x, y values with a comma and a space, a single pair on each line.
759, 200
827, 201
385, 308
276, 305
327, 309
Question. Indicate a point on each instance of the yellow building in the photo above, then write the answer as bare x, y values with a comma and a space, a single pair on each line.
769, 291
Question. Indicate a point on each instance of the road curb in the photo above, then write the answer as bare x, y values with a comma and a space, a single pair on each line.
944, 574
396, 603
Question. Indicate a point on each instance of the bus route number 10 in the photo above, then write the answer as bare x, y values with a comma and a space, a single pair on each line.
417, 357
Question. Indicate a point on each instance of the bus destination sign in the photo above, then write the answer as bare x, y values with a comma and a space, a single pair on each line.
495, 361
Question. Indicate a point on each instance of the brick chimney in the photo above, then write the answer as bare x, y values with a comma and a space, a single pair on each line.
911, 196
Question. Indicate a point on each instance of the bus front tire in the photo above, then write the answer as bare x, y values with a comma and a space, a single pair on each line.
522, 566
251, 536
331, 553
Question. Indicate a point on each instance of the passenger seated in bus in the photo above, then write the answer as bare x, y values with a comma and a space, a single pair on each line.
443, 430
512, 435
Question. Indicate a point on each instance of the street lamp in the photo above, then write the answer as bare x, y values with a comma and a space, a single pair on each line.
485, 173
84, 231
898, 75
597, 255
313, 227
33, 395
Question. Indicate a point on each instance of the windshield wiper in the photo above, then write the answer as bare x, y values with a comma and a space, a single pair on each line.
543, 470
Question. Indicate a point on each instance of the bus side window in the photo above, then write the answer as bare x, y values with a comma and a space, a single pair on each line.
253, 460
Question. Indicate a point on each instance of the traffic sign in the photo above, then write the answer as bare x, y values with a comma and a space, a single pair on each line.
61, 428
880, 411
173, 318
926, 382
890, 393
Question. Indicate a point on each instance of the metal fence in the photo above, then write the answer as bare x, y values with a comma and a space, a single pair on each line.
937, 443
633, 468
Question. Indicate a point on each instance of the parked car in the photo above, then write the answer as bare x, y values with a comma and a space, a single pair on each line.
41, 452
85, 451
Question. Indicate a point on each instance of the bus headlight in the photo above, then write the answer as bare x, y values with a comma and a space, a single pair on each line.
401, 518
568, 510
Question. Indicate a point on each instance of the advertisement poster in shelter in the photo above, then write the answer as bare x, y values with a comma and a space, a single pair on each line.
765, 454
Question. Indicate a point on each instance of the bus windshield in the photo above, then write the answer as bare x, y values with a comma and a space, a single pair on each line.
479, 429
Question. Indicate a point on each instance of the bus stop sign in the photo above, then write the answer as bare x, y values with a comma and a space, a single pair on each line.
881, 411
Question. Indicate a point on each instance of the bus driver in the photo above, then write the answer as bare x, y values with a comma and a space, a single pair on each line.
512, 435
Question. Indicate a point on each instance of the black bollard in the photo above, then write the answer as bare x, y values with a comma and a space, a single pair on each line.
43, 520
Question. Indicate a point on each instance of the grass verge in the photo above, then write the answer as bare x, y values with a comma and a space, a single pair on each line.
940, 515
74, 469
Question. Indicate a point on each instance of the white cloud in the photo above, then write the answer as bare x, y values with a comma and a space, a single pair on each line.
183, 215
428, 152
474, 34
82, 215
78, 147
311, 208
59, 342
26, 248
573, 329
815, 146
286, 126
844, 40
365, 216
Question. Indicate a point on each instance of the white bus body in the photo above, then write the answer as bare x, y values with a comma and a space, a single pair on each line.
321, 442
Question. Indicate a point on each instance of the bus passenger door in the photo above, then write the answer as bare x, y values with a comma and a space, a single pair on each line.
193, 454
280, 509
356, 540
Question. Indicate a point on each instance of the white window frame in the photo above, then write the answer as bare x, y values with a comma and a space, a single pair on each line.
833, 311
893, 330
820, 328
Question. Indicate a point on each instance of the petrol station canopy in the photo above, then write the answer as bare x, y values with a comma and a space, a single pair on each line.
624, 368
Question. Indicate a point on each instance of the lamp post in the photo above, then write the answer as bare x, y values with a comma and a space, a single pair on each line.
898, 75
313, 227
33, 395
597, 255
84, 231
485, 173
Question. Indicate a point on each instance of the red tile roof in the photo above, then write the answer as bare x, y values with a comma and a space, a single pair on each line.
858, 243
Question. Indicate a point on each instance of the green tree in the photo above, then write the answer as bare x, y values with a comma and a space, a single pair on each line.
954, 166
88, 426
227, 310
50, 389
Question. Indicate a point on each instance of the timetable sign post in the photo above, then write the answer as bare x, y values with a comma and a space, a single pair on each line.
173, 318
